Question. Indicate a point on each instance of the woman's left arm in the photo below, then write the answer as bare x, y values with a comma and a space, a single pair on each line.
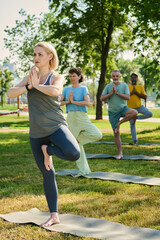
56, 87
86, 101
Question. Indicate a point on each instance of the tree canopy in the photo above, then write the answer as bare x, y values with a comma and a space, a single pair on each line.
90, 34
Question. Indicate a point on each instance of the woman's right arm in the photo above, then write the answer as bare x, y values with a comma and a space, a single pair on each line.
19, 89
63, 102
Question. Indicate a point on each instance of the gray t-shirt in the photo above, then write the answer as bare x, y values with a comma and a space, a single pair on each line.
115, 102
45, 114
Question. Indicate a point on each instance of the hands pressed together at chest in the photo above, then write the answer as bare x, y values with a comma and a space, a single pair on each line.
134, 91
34, 78
71, 99
140, 95
86, 101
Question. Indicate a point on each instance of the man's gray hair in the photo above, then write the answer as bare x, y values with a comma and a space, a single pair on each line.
115, 71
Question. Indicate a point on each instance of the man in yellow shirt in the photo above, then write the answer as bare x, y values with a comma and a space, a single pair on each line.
136, 93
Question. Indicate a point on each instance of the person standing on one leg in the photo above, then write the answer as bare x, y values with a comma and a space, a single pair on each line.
76, 98
136, 93
117, 94
49, 133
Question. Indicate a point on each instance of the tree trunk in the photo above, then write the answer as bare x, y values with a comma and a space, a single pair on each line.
103, 71
2, 93
18, 106
2, 100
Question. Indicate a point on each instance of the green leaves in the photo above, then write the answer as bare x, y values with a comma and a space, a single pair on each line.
88, 33
5, 78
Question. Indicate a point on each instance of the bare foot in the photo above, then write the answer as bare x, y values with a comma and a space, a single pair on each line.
135, 143
78, 175
120, 156
47, 158
54, 219
117, 128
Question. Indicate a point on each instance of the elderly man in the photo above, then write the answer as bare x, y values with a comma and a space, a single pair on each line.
117, 94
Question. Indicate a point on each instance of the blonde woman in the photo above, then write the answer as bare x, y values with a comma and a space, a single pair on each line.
49, 134
76, 98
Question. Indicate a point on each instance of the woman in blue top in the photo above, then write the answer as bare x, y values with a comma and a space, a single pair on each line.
76, 98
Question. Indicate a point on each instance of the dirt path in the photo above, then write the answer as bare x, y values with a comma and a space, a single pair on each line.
5, 129
13, 130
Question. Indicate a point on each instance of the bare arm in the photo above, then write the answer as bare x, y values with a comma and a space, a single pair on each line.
114, 90
86, 101
124, 96
138, 94
19, 89
54, 90
63, 102
105, 97
141, 95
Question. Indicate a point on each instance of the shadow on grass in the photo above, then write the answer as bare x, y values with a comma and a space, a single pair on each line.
19, 173
13, 124
150, 131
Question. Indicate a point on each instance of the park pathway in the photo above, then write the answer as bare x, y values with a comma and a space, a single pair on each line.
144, 120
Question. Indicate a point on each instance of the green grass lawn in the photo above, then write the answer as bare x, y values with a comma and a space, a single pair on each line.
91, 110
130, 204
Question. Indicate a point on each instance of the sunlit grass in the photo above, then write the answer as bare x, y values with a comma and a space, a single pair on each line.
21, 185
91, 109
22, 122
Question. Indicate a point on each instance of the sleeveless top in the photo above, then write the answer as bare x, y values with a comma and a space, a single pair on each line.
45, 114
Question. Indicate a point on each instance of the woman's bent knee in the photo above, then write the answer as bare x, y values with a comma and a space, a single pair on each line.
100, 135
73, 155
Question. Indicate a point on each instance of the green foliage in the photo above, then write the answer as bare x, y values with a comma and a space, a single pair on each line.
22, 38
147, 31
83, 27
127, 67
5, 78
150, 71
90, 34
147, 69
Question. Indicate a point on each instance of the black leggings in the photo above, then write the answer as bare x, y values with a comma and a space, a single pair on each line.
65, 147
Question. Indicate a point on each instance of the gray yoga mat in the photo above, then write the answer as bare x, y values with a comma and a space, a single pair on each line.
131, 157
84, 227
125, 143
112, 176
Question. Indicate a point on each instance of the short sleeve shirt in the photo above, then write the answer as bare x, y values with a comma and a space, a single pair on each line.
135, 101
78, 93
115, 102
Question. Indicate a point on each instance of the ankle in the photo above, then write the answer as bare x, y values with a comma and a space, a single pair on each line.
54, 214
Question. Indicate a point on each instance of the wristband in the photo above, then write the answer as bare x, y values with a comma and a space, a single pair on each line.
27, 87
117, 93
